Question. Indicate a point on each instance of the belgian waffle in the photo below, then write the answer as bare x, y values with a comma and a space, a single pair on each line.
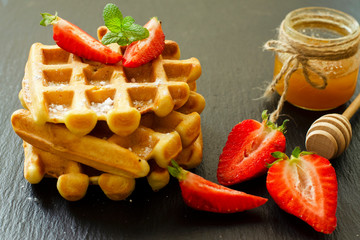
189, 157
73, 178
110, 152
90, 123
59, 87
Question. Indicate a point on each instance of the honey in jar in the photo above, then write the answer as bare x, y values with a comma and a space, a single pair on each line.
325, 42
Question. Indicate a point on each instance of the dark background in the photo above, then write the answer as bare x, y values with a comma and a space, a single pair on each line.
227, 38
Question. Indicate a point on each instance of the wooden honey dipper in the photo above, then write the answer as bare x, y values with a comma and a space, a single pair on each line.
330, 135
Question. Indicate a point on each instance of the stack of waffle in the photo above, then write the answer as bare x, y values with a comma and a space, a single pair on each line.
89, 123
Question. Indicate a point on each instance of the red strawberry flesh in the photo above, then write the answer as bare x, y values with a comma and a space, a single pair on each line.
205, 195
73, 39
202, 194
307, 189
143, 51
248, 151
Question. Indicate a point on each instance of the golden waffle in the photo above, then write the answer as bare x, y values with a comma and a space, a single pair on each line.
115, 154
137, 104
190, 157
60, 87
158, 177
182, 71
195, 103
73, 182
73, 178
186, 125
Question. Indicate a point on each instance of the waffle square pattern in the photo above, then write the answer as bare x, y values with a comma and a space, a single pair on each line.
59, 87
87, 123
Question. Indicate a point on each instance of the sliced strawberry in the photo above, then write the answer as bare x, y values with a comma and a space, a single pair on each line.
143, 51
204, 195
74, 40
305, 185
248, 150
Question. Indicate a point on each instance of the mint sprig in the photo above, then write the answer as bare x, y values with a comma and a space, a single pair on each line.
123, 30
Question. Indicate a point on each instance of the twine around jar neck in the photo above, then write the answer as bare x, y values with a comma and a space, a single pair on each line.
299, 54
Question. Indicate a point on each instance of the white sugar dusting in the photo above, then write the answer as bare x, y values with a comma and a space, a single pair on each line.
159, 81
83, 102
99, 83
140, 104
103, 107
147, 151
57, 84
26, 91
38, 77
57, 108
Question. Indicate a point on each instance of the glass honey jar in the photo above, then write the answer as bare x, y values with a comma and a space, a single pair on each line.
317, 58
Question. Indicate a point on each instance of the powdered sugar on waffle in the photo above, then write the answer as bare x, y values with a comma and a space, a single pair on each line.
59, 85
56, 108
102, 108
72, 84
26, 91
140, 104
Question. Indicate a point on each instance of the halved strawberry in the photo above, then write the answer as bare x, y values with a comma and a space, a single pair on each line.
204, 195
248, 150
305, 185
143, 51
75, 40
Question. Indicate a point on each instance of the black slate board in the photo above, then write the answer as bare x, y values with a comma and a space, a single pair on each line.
226, 36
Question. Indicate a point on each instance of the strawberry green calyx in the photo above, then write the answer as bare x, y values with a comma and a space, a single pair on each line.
48, 19
177, 171
280, 156
296, 153
295, 156
274, 126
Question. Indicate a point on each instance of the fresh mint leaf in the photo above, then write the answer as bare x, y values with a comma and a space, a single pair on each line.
123, 30
110, 37
127, 22
136, 32
114, 25
112, 17
123, 41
